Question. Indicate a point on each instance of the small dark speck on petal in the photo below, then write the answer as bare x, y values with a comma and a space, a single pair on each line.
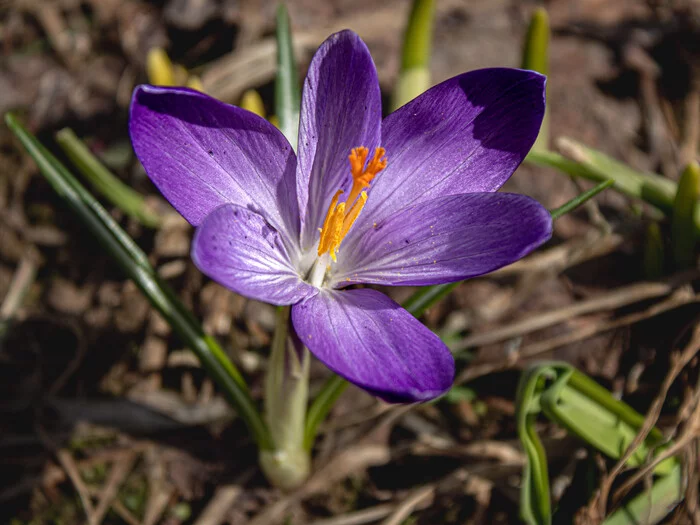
406, 241
211, 153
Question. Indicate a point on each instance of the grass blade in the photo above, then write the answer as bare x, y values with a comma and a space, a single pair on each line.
587, 163
653, 505
590, 412
287, 93
535, 507
536, 58
323, 402
414, 76
580, 199
135, 264
118, 193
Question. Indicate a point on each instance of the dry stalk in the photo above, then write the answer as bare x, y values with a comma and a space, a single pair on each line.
536, 349
679, 361
615, 299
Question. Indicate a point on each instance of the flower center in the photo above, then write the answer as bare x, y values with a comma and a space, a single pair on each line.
342, 215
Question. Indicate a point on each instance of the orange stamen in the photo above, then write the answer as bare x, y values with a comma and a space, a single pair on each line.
338, 221
362, 177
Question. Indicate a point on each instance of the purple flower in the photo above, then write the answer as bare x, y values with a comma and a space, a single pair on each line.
416, 205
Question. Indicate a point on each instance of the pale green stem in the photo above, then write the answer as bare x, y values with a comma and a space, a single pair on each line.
288, 464
536, 58
414, 77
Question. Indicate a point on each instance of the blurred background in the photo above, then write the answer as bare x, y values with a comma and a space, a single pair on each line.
100, 402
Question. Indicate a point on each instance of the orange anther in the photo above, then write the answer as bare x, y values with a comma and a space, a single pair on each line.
341, 216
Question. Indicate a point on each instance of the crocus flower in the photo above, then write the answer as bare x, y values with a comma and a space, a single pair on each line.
408, 200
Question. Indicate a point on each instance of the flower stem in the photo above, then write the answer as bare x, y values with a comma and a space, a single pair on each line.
288, 464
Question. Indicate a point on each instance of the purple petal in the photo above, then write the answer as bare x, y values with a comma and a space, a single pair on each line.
466, 135
340, 110
202, 153
371, 341
446, 239
238, 249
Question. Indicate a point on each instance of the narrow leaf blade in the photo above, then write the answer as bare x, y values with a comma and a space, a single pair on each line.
287, 93
135, 264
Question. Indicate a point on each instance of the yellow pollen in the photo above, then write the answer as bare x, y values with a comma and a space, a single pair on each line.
341, 216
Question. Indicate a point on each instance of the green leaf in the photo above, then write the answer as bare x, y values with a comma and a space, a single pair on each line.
685, 208
653, 252
585, 409
118, 193
653, 505
324, 401
590, 412
587, 163
287, 95
427, 296
535, 507
134, 263
414, 76
536, 58
580, 199
459, 393
536, 46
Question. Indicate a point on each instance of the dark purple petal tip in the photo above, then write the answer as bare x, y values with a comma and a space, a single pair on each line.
372, 342
465, 135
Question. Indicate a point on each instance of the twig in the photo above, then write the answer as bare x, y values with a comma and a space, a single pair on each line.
586, 332
21, 282
404, 510
68, 464
690, 433
118, 507
615, 299
576, 251
124, 513
360, 517
120, 470
679, 363
224, 498
215, 511
660, 138
159, 489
